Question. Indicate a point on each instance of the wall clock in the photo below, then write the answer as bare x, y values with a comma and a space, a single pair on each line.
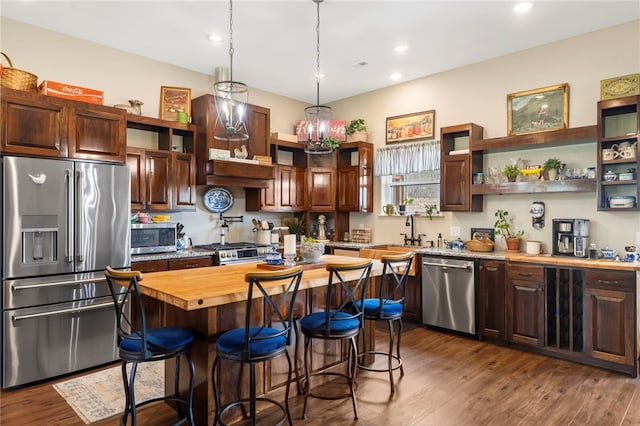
217, 199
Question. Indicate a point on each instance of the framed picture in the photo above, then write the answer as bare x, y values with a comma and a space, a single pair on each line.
538, 110
408, 127
174, 100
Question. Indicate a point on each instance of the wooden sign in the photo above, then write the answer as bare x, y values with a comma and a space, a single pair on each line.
337, 129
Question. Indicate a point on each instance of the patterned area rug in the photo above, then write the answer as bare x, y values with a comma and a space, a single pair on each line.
100, 395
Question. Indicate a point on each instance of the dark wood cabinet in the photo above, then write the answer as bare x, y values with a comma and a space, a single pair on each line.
286, 192
204, 113
618, 124
355, 177
322, 189
525, 304
491, 299
457, 168
39, 125
413, 298
184, 181
610, 318
163, 179
98, 133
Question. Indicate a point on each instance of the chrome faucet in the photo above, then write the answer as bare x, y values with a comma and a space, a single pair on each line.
412, 240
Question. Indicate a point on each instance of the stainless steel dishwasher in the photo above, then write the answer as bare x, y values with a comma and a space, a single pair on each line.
448, 294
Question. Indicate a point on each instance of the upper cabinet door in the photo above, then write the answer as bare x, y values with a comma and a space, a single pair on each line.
33, 125
99, 133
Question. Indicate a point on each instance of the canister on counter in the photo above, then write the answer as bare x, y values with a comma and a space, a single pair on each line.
593, 252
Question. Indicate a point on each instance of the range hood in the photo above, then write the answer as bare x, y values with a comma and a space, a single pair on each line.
232, 173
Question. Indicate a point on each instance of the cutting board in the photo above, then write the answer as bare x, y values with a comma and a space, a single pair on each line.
281, 266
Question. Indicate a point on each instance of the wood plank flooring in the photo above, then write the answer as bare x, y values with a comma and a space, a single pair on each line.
449, 380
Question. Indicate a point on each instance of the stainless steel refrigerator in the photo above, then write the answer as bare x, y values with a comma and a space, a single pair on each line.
63, 222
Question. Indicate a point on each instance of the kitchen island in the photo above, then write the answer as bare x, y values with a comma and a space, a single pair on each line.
212, 300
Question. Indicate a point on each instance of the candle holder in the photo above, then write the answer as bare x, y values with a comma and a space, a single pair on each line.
289, 260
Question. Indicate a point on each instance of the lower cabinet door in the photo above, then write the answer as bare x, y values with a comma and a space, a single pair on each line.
608, 325
525, 312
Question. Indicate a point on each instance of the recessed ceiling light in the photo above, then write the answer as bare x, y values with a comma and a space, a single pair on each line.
395, 76
522, 7
214, 37
401, 48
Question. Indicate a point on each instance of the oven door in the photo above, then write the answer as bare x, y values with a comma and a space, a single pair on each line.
51, 340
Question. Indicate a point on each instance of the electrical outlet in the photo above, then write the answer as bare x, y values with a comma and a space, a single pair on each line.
455, 232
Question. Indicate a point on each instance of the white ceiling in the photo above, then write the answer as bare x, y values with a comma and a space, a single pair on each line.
275, 41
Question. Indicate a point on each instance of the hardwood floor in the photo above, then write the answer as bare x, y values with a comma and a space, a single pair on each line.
449, 380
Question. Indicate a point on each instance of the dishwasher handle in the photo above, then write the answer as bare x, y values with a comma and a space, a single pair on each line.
448, 266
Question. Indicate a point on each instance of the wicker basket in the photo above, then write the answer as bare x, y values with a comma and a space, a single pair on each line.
485, 244
14, 78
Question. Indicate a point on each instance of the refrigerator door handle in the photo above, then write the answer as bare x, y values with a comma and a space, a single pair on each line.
69, 245
62, 311
79, 215
57, 283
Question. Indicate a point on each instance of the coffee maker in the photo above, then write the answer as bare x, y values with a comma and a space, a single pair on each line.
571, 237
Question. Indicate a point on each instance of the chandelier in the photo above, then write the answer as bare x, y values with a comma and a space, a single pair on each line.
318, 117
231, 100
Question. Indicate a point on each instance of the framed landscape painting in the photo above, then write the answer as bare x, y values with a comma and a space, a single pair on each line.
538, 110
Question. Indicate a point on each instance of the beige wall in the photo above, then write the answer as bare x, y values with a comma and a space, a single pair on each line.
476, 93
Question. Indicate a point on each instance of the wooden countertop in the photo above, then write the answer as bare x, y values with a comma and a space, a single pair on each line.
199, 288
575, 261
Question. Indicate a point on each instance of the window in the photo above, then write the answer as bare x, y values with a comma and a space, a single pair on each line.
422, 187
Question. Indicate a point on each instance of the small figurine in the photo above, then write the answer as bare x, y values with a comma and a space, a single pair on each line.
241, 153
134, 107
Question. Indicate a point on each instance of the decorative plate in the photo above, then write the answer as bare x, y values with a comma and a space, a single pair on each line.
217, 199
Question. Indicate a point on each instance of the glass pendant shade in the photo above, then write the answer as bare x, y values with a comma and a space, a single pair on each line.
231, 98
231, 105
318, 118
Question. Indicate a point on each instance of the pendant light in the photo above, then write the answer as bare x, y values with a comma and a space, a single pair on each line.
231, 100
318, 117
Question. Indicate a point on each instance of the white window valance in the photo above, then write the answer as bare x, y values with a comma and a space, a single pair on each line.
407, 158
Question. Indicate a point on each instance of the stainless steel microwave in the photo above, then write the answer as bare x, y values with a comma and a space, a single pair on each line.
156, 237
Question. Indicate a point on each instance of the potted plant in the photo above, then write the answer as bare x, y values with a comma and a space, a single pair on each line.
331, 142
503, 227
356, 130
402, 208
551, 166
431, 210
296, 226
311, 249
511, 172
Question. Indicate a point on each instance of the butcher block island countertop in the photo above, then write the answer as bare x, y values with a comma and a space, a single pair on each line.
212, 300
198, 288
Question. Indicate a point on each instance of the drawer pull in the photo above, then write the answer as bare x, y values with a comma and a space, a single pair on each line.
491, 268
607, 282
525, 274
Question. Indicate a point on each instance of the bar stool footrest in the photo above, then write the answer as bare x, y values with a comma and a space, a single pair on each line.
240, 402
379, 370
332, 397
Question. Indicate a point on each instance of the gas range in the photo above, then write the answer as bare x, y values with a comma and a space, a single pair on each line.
242, 252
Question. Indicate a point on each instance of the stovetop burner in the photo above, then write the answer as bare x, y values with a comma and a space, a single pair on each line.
231, 246
237, 252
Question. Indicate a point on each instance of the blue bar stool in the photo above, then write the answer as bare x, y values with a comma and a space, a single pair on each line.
141, 344
347, 285
253, 343
388, 306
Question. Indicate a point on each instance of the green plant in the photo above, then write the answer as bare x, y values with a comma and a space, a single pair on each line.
552, 163
407, 200
510, 172
503, 225
296, 226
310, 240
356, 125
431, 210
331, 143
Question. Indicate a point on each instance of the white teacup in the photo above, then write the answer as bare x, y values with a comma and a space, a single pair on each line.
609, 154
628, 152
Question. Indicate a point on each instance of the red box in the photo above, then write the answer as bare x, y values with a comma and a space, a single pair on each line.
69, 91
